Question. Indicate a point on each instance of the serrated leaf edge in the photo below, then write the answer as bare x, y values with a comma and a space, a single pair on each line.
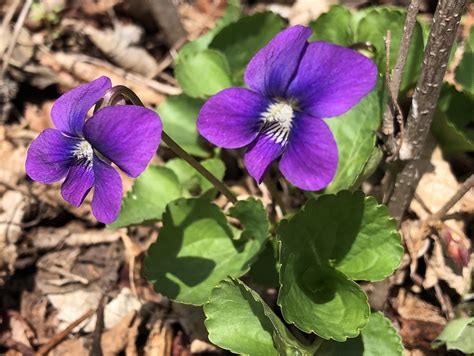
393, 333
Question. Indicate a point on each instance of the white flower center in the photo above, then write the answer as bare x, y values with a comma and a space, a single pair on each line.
277, 121
83, 152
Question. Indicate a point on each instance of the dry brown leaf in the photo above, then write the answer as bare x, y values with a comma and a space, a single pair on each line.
13, 209
87, 69
420, 321
94, 7
131, 349
38, 117
124, 303
34, 307
202, 347
70, 347
50, 196
413, 308
432, 193
119, 48
21, 331
160, 339
197, 21
416, 241
304, 11
45, 238
12, 162
114, 340
437, 187
24, 47
72, 305
22, 64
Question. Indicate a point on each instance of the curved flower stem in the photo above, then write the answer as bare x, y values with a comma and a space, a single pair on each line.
198, 167
118, 92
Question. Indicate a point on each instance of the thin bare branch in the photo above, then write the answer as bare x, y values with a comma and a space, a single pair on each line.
442, 36
16, 32
56, 339
7, 19
394, 84
463, 189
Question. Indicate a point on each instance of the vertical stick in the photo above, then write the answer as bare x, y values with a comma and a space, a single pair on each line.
394, 84
442, 36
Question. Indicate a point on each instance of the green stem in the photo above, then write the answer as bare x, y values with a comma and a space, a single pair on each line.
198, 167
119, 91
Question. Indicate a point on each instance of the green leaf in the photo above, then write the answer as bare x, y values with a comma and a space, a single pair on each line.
232, 13
203, 74
458, 334
192, 181
334, 238
197, 248
373, 28
355, 136
334, 26
375, 251
371, 165
240, 321
378, 338
320, 299
253, 217
464, 71
151, 191
240, 40
178, 114
453, 121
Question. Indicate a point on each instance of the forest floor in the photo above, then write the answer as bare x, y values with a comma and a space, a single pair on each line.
68, 286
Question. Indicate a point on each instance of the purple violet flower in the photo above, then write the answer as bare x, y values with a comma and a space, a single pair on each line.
82, 150
293, 86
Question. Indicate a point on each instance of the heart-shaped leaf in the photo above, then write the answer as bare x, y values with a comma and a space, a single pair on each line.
334, 26
179, 114
240, 40
378, 338
240, 321
197, 248
373, 28
333, 239
210, 65
453, 121
151, 191
355, 136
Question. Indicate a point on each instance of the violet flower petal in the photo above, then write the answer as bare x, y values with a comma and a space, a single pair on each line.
261, 154
331, 79
49, 156
107, 192
78, 183
272, 68
232, 117
69, 111
310, 161
127, 135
